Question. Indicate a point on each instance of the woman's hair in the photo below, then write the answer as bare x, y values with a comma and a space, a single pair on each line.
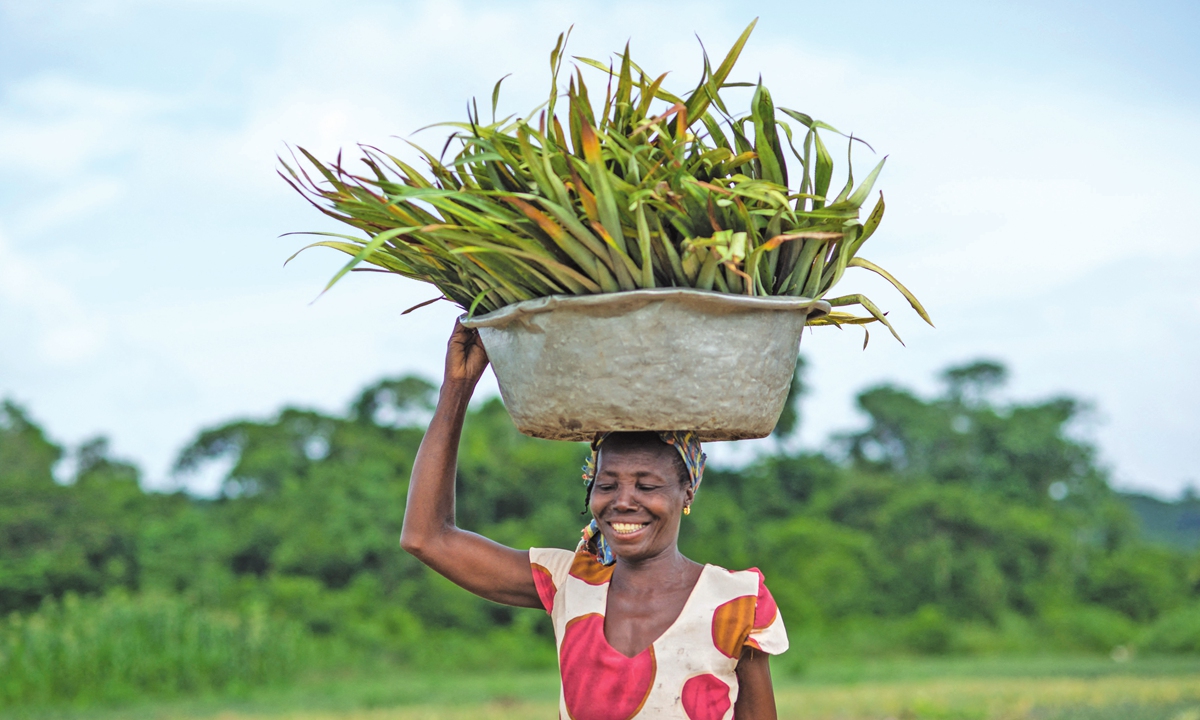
640, 441
647, 441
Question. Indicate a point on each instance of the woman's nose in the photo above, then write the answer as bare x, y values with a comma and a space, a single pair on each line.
626, 499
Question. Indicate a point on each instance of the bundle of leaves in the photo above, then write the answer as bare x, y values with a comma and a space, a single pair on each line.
653, 190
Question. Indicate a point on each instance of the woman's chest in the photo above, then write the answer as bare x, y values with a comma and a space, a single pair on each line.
688, 665
633, 620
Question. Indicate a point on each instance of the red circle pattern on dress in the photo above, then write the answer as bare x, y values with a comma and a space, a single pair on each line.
765, 608
705, 697
600, 683
544, 582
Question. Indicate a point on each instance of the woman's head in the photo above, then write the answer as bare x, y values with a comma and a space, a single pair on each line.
639, 484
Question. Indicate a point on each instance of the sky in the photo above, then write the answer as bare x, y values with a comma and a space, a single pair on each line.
1041, 176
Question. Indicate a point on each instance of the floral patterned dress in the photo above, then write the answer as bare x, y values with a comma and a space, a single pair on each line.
687, 673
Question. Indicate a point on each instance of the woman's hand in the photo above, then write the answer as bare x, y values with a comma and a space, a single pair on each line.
465, 357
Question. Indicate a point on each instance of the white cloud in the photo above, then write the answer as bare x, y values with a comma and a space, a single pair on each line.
86, 197
53, 127
61, 330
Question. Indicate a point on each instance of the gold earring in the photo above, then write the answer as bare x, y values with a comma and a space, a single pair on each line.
687, 509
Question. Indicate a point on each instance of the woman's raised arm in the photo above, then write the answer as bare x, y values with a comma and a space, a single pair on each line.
486, 568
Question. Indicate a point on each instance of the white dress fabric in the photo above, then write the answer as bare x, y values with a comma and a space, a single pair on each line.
687, 673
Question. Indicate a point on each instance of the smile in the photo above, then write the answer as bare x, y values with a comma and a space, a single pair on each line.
627, 528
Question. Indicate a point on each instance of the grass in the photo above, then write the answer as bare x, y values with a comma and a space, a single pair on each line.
1042, 688
120, 648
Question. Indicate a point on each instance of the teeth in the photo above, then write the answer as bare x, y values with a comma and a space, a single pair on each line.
626, 528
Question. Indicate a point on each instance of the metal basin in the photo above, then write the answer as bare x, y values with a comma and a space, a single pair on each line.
669, 359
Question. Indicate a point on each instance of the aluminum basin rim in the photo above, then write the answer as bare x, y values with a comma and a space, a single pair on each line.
697, 299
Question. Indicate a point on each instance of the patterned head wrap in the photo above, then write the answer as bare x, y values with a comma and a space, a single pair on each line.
693, 457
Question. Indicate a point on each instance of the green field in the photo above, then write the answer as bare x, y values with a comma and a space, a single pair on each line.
898, 689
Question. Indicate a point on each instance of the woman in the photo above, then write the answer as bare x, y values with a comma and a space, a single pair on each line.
642, 631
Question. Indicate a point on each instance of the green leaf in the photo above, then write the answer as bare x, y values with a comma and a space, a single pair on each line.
643, 231
496, 95
912, 299
823, 172
871, 224
860, 195
766, 140
698, 103
869, 306
366, 251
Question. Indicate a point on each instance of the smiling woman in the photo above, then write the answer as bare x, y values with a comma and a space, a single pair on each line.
642, 631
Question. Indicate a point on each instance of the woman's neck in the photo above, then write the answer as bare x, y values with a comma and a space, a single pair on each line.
664, 569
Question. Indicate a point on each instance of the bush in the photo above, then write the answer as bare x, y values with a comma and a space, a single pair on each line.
1141, 581
1175, 632
120, 647
1088, 627
929, 631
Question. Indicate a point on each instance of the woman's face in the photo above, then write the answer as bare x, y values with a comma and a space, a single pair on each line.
638, 499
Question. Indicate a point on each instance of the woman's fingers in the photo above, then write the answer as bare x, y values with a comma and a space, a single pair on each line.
466, 358
477, 358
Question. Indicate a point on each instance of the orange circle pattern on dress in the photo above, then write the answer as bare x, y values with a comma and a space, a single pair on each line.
591, 571
731, 625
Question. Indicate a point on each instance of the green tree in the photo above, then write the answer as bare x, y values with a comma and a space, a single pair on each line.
54, 538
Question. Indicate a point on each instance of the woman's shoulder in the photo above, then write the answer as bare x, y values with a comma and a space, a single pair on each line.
579, 563
551, 563
750, 581
547, 557
553, 567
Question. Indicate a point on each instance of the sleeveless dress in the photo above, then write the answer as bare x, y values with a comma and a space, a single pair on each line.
687, 673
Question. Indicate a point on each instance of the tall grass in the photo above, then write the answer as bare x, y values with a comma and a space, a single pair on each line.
120, 647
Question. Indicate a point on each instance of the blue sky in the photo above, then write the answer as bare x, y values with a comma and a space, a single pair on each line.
1041, 170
